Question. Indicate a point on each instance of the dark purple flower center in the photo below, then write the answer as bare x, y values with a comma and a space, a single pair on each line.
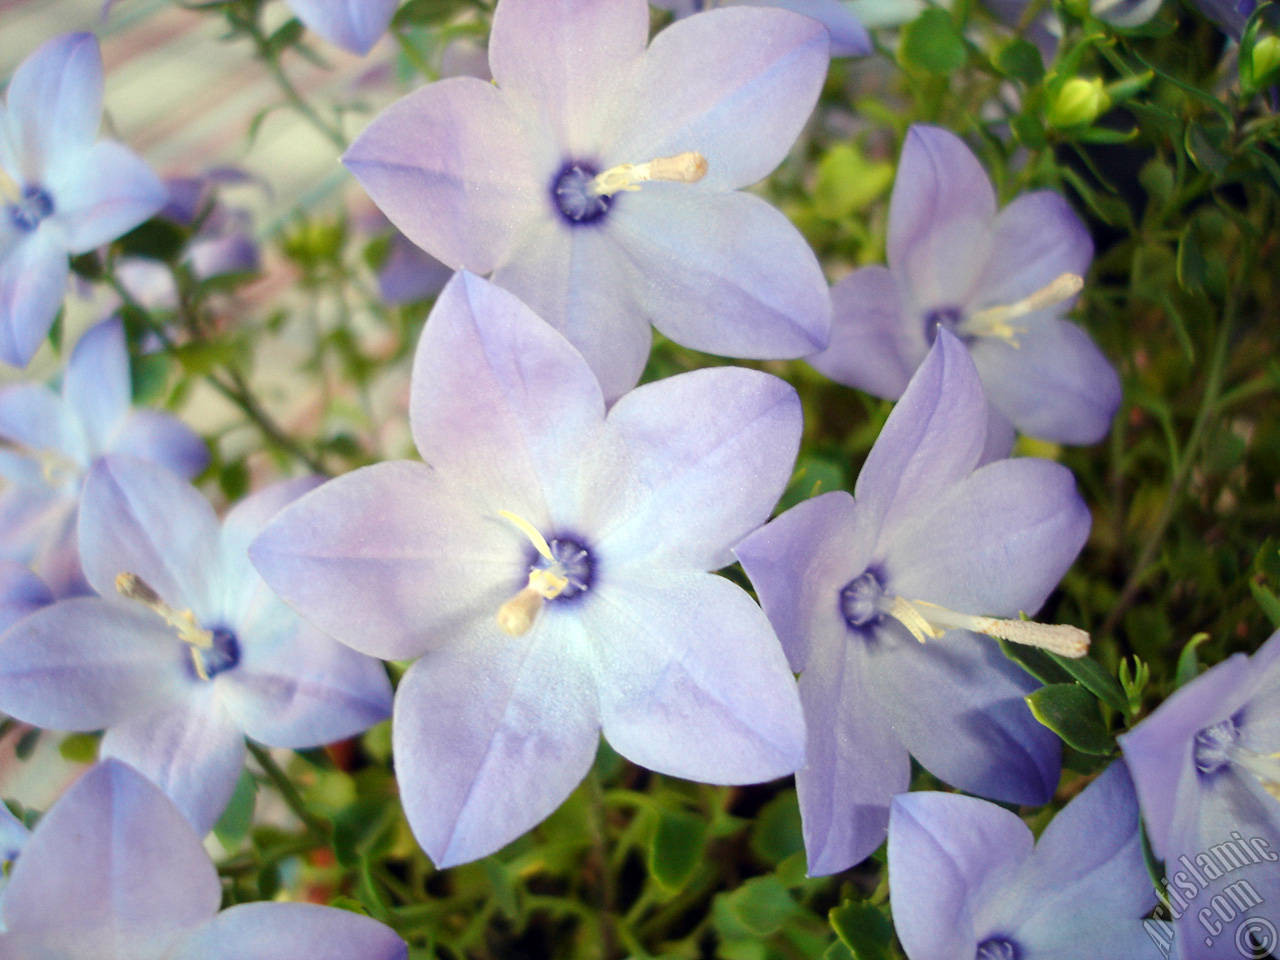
33, 206
572, 197
949, 317
998, 948
575, 562
222, 656
1215, 746
862, 601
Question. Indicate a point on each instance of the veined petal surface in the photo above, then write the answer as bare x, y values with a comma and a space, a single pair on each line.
292, 931
867, 349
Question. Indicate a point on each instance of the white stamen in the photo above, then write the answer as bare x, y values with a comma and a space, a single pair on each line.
929, 621
687, 167
994, 321
133, 587
529, 530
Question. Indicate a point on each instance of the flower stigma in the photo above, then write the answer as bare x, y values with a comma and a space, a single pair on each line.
994, 321
687, 167
133, 587
566, 572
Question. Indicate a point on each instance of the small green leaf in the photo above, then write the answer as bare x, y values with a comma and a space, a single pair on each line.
79, 747
1188, 662
864, 929
932, 43
1020, 60
676, 848
761, 906
1192, 267
1267, 600
419, 12
1071, 711
1096, 679
777, 833
236, 820
27, 744
289, 33
156, 239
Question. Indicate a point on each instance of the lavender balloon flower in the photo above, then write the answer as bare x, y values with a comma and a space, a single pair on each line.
548, 570
354, 25
1206, 767
185, 650
879, 600
970, 883
1000, 282
22, 593
61, 192
598, 181
848, 36
113, 872
52, 438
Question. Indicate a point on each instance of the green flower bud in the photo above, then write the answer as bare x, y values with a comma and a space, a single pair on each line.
1266, 58
1079, 102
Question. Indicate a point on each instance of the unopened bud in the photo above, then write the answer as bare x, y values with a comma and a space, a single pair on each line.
1079, 102
1266, 59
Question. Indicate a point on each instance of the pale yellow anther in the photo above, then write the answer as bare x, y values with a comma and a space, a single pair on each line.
928, 621
133, 587
1266, 767
56, 468
10, 191
687, 167
516, 616
994, 321
529, 530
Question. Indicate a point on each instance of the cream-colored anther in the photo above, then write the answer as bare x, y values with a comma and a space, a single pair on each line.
10, 191
516, 616
133, 587
56, 468
529, 530
928, 621
1266, 767
994, 321
687, 167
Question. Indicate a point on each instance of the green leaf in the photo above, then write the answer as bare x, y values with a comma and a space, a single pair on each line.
848, 182
289, 33
1071, 711
237, 819
1096, 679
79, 747
1188, 662
1036, 662
1192, 267
932, 43
27, 744
419, 12
761, 906
1021, 60
864, 929
156, 239
676, 848
777, 833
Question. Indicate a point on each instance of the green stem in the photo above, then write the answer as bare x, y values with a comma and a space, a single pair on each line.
280, 780
296, 100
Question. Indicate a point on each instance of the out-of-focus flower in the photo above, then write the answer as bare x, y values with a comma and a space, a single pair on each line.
52, 438
354, 25
185, 650
598, 180
1206, 765
548, 569
61, 193
999, 281
879, 600
113, 872
848, 35
971, 883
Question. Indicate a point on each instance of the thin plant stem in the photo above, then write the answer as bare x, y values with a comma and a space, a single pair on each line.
285, 787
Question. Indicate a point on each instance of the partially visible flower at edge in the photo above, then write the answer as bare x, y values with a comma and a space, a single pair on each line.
999, 280
848, 35
185, 650
51, 438
61, 193
354, 25
113, 872
970, 882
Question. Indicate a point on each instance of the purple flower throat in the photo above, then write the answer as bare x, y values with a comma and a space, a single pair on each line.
211, 651
32, 206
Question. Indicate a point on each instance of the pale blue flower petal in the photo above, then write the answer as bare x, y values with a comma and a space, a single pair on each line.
570, 61
101, 194
162, 439
292, 931
957, 703
35, 417
54, 103
451, 166
33, 281
866, 349
85, 664
491, 733
22, 593
724, 273
192, 750
96, 384
1034, 240
391, 560
854, 760
111, 855
710, 454
139, 518
849, 37
354, 25
692, 680
735, 85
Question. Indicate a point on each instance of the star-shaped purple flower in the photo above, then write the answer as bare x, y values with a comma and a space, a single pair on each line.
998, 280
598, 181
185, 650
1206, 765
848, 36
113, 872
51, 439
549, 571
61, 193
879, 600
970, 883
